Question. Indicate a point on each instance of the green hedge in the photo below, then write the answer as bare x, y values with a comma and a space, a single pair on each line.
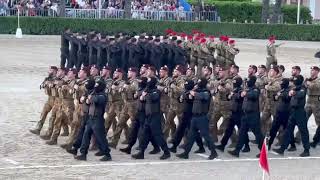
242, 11
54, 26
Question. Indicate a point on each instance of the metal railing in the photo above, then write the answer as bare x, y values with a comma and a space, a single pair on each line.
28, 12
118, 14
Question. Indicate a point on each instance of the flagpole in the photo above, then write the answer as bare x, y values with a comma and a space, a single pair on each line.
263, 175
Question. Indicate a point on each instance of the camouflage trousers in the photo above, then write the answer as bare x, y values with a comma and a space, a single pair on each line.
219, 110
175, 110
114, 111
129, 111
64, 116
262, 99
54, 110
48, 106
268, 111
75, 124
221, 61
271, 60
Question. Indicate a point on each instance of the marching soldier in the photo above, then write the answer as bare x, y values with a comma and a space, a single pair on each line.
221, 50
115, 99
65, 38
234, 72
297, 118
222, 106
190, 75
262, 81
129, 110
188, 47
295, 71
313, 91
252, 70
203, 56
78, 91
212, 49
65, 113
271, 89
271, 52
195, 51
231, 52
48, 106
175, 90
163, 86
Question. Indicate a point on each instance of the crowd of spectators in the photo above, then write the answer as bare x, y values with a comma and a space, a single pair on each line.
28, 7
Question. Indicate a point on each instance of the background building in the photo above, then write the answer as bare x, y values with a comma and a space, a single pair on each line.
314, 6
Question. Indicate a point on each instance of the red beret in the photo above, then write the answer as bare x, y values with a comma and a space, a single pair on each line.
145, 65
54, 68
226, 38
152, 68
222, 38
203, 40
211, 37
183, 34
232, 41
85, 69
73, 70
133, 69
190, 37
94, 66
195, 31
119, 70
180, 69
106, 68
202, 35
272, 37
168, 31
198, 38
164, 68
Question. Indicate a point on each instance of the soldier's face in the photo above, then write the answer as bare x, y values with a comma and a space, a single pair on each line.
314, 73
189, 73
163, 73
233, 71
105, 73
94, 72
261, 71
142, 70
250, 71
150, 73
205, 72
115, 75
60, 73
71, 75
272, 73
82, 74
295, 72
131, 74
176, 73
221, 74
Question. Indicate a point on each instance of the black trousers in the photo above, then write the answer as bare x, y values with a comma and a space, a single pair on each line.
64, 57
297, 118
199, 123
182, 128
250, 121
78, 141
316, 137
152, 129
136, 131
235, 120
281, 119
95, 126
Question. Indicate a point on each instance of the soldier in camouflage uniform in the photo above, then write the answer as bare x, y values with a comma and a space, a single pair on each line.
221, 50
175, 90
190, 75
313, 101
130, 105
115, 99
78, 91
222, 106
212, 49
271, 52
187, 45
234, 72
65, 113
271, 90
163, 86
195, 51
48, 106
252, 70
231, 52
203, 56
261, 82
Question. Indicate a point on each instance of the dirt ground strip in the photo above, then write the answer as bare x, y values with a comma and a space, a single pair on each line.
23, 65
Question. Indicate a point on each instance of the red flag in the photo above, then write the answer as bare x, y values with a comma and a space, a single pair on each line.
264, 157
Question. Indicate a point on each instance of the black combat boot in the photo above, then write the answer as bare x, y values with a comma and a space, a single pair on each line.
72, 151
234, 153
81, 157
45, 137
200, 150
165, 155
246, 149
35, 131
313, 144
99, 153
126, 150
155, 151
65, 146
213, 155
139, 155
220, 147
106, 157
52, 142
279, 151
305, 153
292, 148
183, 155
173, 149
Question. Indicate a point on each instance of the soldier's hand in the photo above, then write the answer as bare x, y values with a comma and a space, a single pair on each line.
165, 90
192, 93
243, 93
278, 94
125, 86
220, 87
113, 87
144, 93
82, 99
76, 87
291, 93
308, 83
173, 86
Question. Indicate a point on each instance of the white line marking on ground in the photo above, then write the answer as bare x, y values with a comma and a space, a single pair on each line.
150, 163
203, 155
11, 161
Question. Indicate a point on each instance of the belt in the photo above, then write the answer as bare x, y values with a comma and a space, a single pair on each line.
199, 114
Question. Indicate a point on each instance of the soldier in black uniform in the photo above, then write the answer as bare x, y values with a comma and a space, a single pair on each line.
115, 53
282, 113
82, 54
156, 53
142, 44
186, 119
125, 53
297, 117
180, 55
237, 113
73, 58
134, 54
167, 54
138, 124
199, 122
152, 125
92, 50
95, 125
102, 51
251, 116
64, 47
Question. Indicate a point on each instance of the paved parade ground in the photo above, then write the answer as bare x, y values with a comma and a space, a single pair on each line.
23, 66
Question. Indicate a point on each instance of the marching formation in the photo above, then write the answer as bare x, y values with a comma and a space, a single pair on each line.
154, 81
